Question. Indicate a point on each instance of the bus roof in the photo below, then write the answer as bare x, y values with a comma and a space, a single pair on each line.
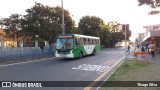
86, 36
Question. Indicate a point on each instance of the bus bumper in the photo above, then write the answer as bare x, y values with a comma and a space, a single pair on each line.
65, 56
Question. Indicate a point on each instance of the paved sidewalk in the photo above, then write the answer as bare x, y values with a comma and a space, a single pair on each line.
143, 57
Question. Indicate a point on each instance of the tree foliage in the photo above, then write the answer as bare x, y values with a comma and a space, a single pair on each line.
105, 36
129, 33
114, 26
13, 26
151, 3
90, 25
42, 21
95, 26
116, 33
46, 22
110, 34
76, 30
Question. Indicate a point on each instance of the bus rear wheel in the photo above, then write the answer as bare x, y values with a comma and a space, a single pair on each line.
94, 52
80, 55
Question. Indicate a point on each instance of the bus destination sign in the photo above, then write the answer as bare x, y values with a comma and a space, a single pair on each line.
69, 36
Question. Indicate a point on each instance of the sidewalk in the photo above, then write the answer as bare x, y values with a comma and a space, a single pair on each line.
143, 57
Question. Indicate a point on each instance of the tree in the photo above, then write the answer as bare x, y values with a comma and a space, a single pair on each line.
13, 26
94, 26
116, 33
76, 30
1, 23
129, 33
90, 25
45, 22
151, 3
114, 26
105, 36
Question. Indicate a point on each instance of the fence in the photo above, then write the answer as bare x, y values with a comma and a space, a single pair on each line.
27, 53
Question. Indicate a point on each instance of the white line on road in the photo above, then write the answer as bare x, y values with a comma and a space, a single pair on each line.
112, 52
94, 68
26, 62
101, 76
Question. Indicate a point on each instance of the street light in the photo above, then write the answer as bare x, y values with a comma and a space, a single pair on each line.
63, 30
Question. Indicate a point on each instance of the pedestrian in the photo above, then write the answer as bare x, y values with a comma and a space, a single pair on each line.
41, 47
128, 49
142, 49
153, 47
137, 46
148, 48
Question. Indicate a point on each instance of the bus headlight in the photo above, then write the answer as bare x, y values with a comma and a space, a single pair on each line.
71, 51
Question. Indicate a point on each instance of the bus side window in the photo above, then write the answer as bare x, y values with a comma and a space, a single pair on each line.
77, 40
86, 42
93, 41
99, 41
96, 41
81, 41
89, 41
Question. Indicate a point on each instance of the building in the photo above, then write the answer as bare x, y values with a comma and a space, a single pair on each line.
6, 42
140, 36
10, 43
152, 32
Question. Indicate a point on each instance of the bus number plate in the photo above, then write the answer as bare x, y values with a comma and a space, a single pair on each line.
63, 55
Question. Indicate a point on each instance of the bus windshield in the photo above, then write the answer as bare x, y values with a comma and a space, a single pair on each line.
64, 43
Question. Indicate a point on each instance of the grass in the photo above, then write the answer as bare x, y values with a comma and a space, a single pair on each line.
133, 70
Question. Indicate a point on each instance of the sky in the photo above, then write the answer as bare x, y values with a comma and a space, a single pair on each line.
121, 11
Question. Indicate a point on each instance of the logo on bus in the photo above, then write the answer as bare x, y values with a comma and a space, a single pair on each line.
89, 48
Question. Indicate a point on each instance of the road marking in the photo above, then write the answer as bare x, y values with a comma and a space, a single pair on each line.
112, 52
26, 62
101, 76
95, 68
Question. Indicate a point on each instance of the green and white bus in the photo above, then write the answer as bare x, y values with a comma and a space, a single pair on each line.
75, 45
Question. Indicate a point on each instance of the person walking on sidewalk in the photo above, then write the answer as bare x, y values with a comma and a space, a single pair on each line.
153, 47
137, 46
128, 49
41, 47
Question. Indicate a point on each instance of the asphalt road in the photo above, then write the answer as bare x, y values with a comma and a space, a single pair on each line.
89, 68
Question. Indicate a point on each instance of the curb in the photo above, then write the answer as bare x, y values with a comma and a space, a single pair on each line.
24, 61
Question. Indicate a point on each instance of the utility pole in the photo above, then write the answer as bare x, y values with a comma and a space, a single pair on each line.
125, 29
63, 28
126, 41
